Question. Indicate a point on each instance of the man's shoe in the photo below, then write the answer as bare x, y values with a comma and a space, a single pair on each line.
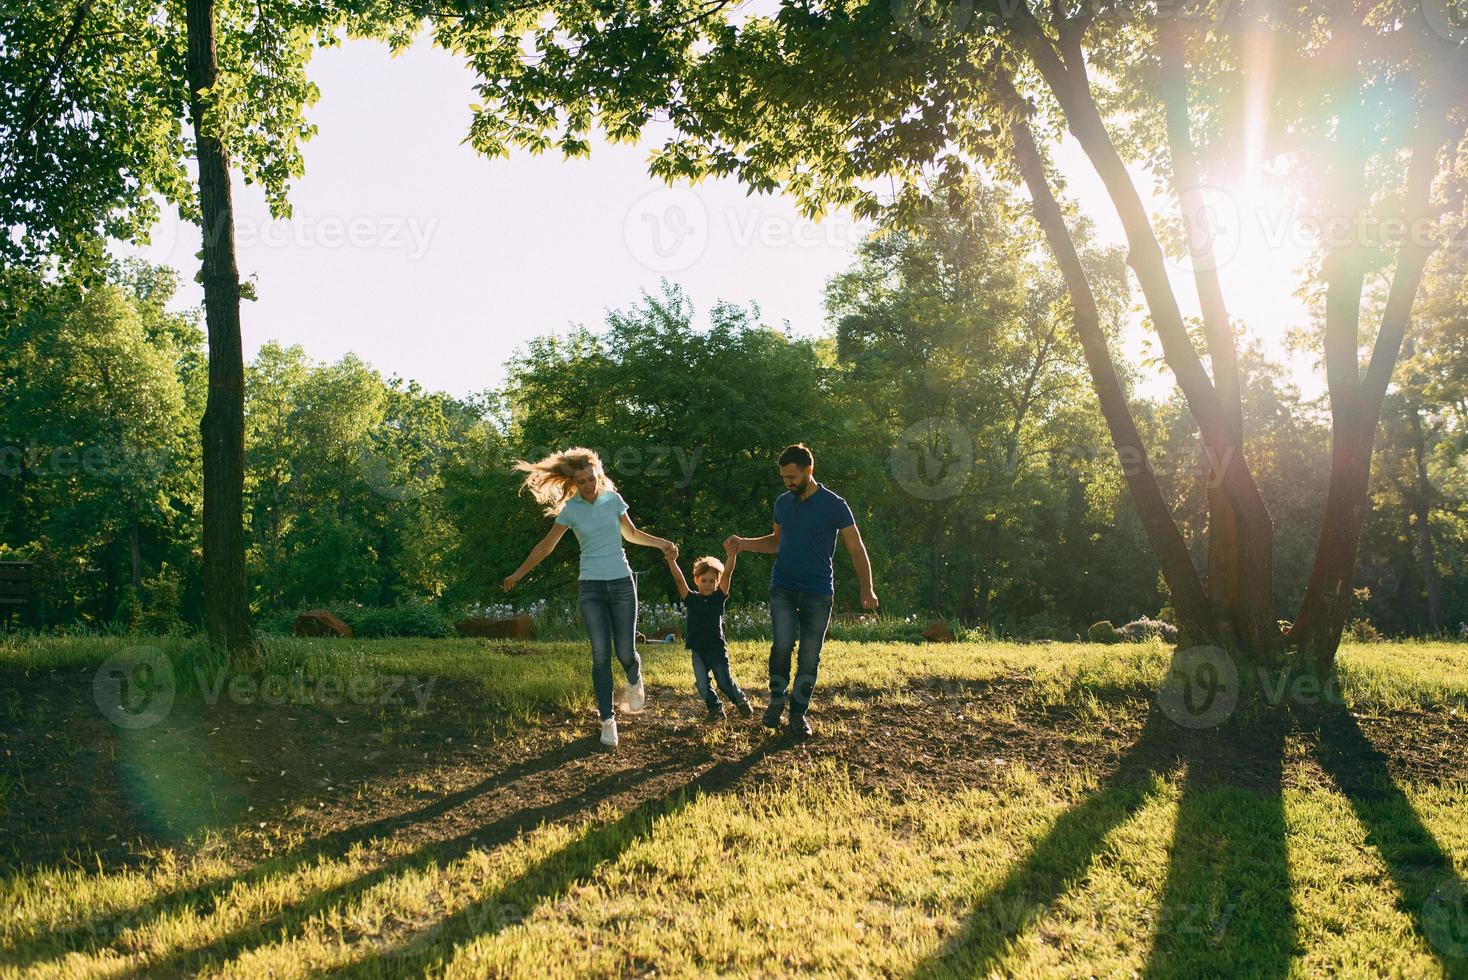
609, 733
746, 710
773, 713
636, 696
799, 725
716, 713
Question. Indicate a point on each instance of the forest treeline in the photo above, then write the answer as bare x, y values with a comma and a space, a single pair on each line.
947, 401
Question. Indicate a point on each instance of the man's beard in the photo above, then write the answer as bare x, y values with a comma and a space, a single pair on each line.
800, 488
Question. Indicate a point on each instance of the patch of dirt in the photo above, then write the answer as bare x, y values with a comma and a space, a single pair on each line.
313, 779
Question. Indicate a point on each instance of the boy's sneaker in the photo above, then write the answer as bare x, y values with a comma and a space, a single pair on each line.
773, 713
799, 726
636, 696
716, 713
746, 710
609, 733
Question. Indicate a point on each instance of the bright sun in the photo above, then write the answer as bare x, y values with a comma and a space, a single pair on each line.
1259, 247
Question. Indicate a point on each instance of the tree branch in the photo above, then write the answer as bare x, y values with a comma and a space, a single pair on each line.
1412, 255
30, 115
1223, 352
1162, 531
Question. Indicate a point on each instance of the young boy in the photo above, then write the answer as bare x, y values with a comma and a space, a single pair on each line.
705, 632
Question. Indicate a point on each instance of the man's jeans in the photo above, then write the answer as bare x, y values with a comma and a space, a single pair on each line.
609, 612
802, 614
717, 663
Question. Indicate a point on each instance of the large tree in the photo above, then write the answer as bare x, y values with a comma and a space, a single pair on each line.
93, 95
837, 101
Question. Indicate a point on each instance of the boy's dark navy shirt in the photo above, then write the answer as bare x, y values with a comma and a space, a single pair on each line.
808, 531
705, 621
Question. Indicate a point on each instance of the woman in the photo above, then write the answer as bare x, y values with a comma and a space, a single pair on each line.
573, 486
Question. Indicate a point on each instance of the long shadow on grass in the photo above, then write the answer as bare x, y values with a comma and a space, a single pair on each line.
101, 931
1227, 863
429, 952
436, 853
1056, 863
1226, 909
1430, 891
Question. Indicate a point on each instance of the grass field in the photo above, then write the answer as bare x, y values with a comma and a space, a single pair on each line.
390, 808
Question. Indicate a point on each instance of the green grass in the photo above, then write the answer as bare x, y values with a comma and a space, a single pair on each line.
1037, 873
516, 676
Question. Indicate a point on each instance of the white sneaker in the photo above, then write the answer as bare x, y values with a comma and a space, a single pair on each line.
636, 696
609, 732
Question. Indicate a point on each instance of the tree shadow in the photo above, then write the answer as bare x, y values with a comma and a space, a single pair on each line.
84, 790
552, 876
1057, 861
437, 853
102, 930
1429, 890
1226, 908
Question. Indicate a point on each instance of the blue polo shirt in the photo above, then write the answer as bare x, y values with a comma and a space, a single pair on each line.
808, 530
598, 527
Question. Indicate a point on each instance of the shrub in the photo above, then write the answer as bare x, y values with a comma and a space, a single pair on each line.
411, 618
1141, 630
1361, 631
162, 604
129, 617
1104, 632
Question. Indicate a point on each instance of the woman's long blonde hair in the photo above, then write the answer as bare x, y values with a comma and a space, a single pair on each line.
551, 481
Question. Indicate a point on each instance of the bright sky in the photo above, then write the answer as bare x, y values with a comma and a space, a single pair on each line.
433, 263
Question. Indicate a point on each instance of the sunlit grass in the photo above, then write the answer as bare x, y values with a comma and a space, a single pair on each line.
517, 676
1034, 875
810, 877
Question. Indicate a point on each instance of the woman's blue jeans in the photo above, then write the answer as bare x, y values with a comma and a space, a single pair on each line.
609, 612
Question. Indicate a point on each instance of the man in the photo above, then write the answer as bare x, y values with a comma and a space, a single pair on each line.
808, 519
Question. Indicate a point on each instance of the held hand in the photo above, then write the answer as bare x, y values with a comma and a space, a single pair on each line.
868, 599
510, 582
670, 551
732, 543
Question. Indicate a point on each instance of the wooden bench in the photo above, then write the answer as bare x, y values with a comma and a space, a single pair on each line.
17, 583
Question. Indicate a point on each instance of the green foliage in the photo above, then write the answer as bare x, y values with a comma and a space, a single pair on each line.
95, 108
688, 422
411, 618
163, 602
1104, 632
129, 615
100, 396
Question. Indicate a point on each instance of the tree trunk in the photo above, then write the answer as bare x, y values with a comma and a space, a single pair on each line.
226, 609
1422, 514
1194, 608
135, 554
1242, 593
1355, 402
935, 560
1250, 617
